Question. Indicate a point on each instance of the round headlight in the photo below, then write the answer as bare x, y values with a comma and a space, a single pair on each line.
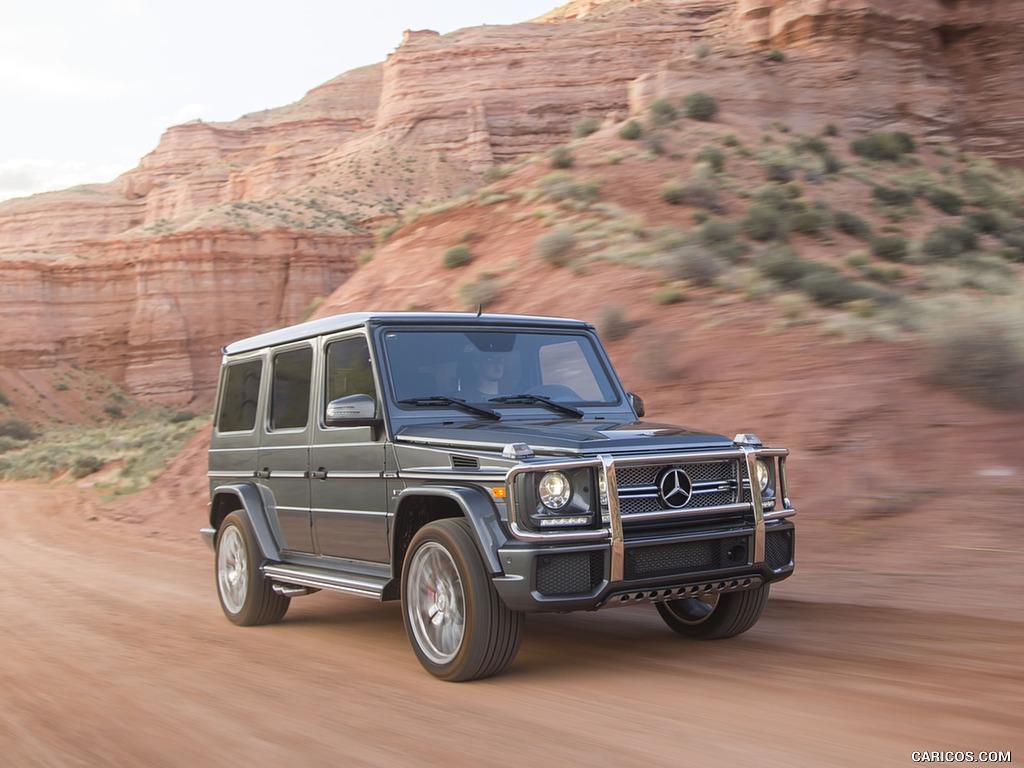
555, 490
763, 475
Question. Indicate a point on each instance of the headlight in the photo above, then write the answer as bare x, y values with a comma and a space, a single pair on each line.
554, 490
764, 475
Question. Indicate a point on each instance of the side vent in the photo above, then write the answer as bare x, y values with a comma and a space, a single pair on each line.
465, 462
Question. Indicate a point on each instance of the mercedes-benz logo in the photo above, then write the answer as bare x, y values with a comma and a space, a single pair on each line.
675, 487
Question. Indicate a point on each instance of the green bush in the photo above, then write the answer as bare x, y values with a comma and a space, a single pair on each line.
988, 222
830, 129
711, 155
3, 398
85, 466
808, 221
776, 55
892, 195
555, 246
980, 360
696, 264
630, 130
561, 157
715, 231
612, 323
945, 199
585, 126
890, 247
852, 224
700, 106
663, 112
457, 256
883, 145
673, 192
668, 296
783, 265
948, 240
778, 169
17, 429
481, 292
829, 287
764, 222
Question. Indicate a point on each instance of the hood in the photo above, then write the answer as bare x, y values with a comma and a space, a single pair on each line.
564, 436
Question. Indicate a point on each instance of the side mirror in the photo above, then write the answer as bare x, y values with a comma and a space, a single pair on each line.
637, 404
351, 410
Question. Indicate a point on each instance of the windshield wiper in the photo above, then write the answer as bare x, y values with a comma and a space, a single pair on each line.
453, 401
527, 399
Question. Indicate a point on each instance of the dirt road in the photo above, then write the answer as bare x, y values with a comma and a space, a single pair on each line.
113, 652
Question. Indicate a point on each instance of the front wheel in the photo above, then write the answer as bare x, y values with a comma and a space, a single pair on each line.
715, 617
457, 624
246, 595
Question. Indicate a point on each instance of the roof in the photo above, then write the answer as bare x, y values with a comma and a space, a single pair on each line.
337, 323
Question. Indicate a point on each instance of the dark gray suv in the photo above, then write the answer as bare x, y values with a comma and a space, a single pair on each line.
478, 467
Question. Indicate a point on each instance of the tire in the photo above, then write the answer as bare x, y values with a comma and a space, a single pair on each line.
246, 596
457, 624
717, 616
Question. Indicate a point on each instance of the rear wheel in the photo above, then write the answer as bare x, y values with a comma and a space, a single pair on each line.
246, 596
715, 617
458, 626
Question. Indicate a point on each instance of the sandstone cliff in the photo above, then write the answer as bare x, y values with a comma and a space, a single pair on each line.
229, 228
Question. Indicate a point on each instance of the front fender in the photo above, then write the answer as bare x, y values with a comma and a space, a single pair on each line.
476, 507
246, 499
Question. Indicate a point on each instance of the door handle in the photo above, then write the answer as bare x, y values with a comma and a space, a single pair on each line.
262, 474
318, 474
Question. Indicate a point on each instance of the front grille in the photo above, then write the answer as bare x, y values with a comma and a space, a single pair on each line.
714, 484
778, 549
685, 557
572, 573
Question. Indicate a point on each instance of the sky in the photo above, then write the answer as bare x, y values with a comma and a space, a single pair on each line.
87, 87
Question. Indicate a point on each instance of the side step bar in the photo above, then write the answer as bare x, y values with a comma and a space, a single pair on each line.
321, 578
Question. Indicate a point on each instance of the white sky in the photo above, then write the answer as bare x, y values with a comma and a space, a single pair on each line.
87, 87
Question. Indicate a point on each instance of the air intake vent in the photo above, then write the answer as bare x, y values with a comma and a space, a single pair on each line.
465, 462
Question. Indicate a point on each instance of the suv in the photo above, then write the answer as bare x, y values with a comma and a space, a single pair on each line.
478, 467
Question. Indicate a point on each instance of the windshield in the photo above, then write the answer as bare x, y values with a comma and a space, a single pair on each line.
497, 368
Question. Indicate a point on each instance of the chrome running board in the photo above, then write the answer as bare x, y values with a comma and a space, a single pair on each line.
322, 578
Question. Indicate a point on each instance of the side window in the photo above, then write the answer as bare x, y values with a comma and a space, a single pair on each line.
348, 369
289, 397
240, 396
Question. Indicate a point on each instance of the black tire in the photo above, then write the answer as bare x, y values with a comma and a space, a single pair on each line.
458, 625
731, 614
246, 596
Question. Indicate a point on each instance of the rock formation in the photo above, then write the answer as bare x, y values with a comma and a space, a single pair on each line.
226, 229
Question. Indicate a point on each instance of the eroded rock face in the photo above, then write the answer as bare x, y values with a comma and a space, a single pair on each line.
226, 229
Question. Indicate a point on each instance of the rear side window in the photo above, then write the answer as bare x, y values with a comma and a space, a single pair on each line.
289, 407
349, 371
240, 396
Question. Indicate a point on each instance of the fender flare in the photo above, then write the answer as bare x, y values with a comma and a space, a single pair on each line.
254, 508
476, 507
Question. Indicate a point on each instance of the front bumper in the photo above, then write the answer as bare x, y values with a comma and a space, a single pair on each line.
579, 577
738, 546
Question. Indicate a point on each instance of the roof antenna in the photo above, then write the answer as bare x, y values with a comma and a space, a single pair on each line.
479, 309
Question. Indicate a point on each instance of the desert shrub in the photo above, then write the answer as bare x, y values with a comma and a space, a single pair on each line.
700, 106
883, 145
480, 293
585, 127
663, 112
561, 157
828, 286
779, 169
881, 273
114, 411
555, 246
457, 256
561, 185
945, 199
948, 240
711, 155
809, 221
630, 130
830, 129
981, 361
179, 417
673, 192
694, 263
852, 224
612, 323
989, 222
730, 140
784, 266
889, 247
892, 195
84, 466
1013, 249
830, 163
3, 398
16, 429
764, 222
669, 295
776, 55
814, 144
496, 173
715, 231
